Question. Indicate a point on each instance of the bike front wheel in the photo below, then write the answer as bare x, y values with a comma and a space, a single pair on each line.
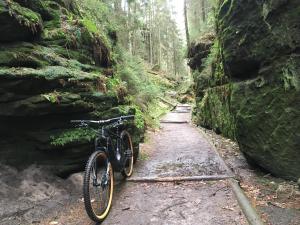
127, 154
98, 186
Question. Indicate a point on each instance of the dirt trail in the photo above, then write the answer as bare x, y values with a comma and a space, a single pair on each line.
178, 149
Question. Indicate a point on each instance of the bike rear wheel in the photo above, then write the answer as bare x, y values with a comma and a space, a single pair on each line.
127, 152
98, 186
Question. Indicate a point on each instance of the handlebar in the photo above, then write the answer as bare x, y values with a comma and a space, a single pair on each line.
121, 118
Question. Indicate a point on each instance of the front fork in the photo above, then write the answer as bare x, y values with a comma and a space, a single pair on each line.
103, 182
118, 152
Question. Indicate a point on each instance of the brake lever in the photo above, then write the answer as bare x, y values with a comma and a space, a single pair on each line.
82, 124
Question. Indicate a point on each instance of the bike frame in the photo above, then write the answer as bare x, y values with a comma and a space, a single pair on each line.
108, 136
104, 133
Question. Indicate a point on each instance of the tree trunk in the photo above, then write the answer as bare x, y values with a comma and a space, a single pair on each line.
150, 34
159, 48
203, 11
186, 25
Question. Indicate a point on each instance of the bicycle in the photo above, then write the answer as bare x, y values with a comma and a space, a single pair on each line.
113, 152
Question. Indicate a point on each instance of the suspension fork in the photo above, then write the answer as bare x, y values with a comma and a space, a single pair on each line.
104, 178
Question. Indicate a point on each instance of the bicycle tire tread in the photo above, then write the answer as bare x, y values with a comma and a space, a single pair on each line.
86, 192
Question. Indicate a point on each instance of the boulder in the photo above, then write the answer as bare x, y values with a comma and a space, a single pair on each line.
267, 125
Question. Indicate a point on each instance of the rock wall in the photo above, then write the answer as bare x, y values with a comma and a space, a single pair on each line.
249, 88
54, 67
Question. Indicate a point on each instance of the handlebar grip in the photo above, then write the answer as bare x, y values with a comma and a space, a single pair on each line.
76, 121
127, 117
104, 121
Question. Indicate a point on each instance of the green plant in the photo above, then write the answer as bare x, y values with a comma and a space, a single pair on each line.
73, 135
90, 25
97, 19
139, 118
52, 97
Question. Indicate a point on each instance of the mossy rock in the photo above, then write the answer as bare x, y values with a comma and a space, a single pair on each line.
81, 40
18, 23
253, 34
20, 56
51, 67
40, 6
49, 73
260, 44
38, 56
262, 114
91, 36
267, 121
213, 111
45, 104
199, 50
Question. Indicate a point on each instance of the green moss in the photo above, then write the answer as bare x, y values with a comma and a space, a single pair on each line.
267, 126
49, 73
290, 76
54, 34
214, 111
37, 56
76, 135
83, 56
20, 56
25, 16
139, 119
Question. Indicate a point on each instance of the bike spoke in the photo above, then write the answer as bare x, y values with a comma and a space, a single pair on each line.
99, 188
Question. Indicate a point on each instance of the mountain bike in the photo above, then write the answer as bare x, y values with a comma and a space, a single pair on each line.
113, 152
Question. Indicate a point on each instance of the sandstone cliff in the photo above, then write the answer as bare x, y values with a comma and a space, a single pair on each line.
248, 87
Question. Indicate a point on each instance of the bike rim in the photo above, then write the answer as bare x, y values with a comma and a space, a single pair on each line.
101, 186
128, 164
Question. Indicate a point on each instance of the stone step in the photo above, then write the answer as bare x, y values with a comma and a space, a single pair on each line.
173, 121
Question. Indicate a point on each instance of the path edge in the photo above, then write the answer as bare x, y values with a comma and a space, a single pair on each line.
248, 209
